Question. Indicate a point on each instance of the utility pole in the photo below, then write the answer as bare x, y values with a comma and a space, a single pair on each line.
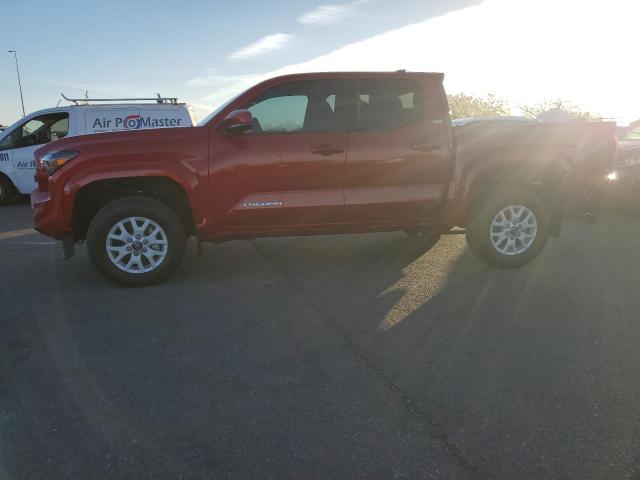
15, 55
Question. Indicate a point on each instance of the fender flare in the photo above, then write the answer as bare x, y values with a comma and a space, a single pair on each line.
187, 180
548, 179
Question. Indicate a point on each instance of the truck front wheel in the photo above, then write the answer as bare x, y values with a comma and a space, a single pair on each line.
508, 230
136, 241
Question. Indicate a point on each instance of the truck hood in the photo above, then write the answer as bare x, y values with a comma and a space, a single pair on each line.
132, 140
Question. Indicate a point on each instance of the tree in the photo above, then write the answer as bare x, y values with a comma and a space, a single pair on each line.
467, 106
534, 111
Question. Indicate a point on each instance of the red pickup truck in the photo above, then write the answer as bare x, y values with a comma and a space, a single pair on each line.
316, 154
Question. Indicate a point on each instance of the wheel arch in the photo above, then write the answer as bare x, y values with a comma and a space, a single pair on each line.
547, 181
14, 190
94, 195
8, 178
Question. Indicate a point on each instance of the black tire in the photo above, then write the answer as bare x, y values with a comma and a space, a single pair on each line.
130, 207
7, 191
479, 229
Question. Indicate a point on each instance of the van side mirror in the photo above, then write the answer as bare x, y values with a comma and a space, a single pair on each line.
238, 121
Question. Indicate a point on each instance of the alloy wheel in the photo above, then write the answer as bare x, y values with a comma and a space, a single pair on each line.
513, 230
137, 245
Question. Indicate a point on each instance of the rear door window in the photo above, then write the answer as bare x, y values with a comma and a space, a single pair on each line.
385, 104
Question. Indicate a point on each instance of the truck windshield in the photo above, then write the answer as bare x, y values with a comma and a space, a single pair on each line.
213, 114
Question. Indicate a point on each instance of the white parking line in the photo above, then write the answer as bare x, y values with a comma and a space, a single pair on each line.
17, 233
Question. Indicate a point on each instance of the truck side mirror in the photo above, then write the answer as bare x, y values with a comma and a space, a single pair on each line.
238, 121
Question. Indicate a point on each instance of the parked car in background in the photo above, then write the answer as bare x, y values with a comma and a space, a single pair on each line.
626, 190
458, 122
20, 140
629, 150
314, 154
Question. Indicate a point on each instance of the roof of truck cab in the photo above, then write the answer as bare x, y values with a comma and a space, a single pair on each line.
395, 74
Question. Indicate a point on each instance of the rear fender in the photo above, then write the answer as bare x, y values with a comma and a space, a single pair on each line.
547, 179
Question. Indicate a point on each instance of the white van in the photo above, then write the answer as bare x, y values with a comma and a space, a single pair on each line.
20, 140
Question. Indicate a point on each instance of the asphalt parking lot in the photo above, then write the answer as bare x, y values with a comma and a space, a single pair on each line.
358, 356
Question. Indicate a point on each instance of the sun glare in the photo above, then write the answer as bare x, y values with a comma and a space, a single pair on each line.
523, 51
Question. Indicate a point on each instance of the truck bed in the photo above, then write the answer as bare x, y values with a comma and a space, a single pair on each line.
582, 152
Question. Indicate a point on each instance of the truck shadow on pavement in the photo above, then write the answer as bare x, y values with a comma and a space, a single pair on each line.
504, 367
488, 356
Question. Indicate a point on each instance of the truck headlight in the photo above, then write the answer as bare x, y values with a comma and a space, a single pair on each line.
53, 161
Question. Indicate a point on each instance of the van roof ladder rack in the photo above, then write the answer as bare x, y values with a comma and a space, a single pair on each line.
158, 99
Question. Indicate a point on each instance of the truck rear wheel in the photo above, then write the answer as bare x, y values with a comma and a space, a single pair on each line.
6, 191
509, 230
136, 241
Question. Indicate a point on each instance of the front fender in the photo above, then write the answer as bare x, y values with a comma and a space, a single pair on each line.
193, 186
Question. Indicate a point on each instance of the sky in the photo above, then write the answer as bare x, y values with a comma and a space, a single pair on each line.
204, 52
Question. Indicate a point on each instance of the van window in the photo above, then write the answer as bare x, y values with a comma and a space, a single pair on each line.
40, 130
7, 142
308, 106
385, 104
634, 134
60, 129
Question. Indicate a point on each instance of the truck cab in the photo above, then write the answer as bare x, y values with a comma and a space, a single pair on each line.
19, 141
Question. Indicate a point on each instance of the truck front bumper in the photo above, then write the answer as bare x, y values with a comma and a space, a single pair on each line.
48, 216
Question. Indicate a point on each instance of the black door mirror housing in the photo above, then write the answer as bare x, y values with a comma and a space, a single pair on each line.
238, 121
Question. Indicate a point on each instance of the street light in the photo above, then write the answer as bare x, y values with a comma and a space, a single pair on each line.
15, 55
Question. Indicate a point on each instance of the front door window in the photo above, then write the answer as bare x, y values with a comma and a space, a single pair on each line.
300, 107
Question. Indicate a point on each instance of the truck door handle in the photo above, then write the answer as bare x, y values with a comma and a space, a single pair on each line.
424, 147
327, 150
